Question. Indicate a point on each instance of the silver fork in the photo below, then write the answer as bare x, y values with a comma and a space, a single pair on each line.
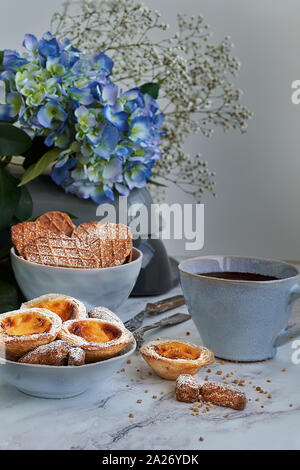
168, 321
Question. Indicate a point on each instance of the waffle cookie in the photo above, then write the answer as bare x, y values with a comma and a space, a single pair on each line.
56, 222
111, 243
60, 251
22, 233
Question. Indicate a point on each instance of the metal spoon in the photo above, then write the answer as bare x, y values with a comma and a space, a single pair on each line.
154, 309
168, 321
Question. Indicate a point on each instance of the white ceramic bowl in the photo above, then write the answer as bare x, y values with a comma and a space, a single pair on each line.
61, 381
109, 287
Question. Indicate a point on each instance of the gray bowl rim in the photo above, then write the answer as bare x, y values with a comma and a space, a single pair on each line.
13, 254
84, 366
235, 281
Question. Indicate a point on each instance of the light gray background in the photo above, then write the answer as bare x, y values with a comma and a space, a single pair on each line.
257, 208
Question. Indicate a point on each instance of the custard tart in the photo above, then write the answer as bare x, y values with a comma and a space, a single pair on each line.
98, 338
67, 308
169, 357
23, 330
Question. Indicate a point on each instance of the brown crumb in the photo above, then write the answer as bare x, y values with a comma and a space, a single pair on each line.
219, 372
258, 389
256, 399
132, 380
269, 396
250, 382
206, 378
201, 439
222, 362
188, 333
139, 401
225, 416
128, 362
127, 385
283, 370
122, 370
290, 405
162, 393
269, 381
130, 415
149, 373
208, 370
262, 406
154, 396
146, 391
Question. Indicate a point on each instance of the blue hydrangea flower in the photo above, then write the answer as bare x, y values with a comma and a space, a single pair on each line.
109, 138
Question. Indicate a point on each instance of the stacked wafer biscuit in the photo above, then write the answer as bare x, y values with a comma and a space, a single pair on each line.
54, 240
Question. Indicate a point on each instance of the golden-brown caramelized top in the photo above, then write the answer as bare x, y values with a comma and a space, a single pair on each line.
25, 324
63, 308
177, 350
96, 332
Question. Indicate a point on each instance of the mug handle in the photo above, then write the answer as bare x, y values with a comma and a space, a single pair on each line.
287, 336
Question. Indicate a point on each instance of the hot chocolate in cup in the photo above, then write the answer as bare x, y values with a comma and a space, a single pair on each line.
240, 305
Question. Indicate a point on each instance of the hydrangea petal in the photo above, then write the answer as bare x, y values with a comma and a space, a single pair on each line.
119, 120
48, 46
110, 94
140, 129
103, 62
113, 169
109, 140
82, 95
122, 189
60, 173
12, 60
30, 42
50, 113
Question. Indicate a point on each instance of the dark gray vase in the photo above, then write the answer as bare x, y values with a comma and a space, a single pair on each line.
159, 272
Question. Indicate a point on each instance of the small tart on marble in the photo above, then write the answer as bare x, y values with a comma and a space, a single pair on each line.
105, 314
98, 338
67, 308
24, 330
170, 358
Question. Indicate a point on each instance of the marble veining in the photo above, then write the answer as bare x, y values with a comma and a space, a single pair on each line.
99, 419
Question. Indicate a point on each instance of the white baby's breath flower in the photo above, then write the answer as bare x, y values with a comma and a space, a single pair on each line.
195, 75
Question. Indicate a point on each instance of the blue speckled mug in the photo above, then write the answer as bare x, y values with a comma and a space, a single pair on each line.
240, 320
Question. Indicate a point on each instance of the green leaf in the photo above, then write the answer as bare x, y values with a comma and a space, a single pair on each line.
1, 60
13, 141
4, 252
151, 89
157, 183
9, 197
24, 207
37, 168
8, 297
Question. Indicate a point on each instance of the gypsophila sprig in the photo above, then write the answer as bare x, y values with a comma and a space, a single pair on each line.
194, 75
105, 139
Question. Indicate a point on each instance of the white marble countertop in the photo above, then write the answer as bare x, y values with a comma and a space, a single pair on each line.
99, 419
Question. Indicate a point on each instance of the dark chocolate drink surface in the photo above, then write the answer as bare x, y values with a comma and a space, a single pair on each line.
239, 276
